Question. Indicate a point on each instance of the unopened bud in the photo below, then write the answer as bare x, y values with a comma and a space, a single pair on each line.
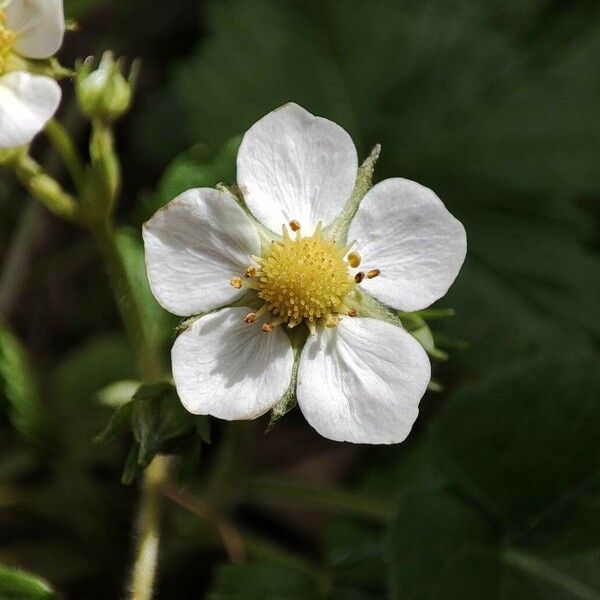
104, 93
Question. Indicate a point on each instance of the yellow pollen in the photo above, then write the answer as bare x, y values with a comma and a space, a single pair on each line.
303, 279
235, 282
7, 39
373, 273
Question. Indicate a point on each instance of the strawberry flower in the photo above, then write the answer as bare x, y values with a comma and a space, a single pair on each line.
298, 280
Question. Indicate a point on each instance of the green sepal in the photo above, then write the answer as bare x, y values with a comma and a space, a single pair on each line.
297, 336
338, 230
418, 328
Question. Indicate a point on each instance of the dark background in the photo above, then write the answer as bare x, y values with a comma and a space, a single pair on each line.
496, 106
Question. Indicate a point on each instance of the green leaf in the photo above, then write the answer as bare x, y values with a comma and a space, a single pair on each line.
157, 418
261, 582
440, 548
194, 168
528, 435
18, 585
18, 382
159, 322
159, 424
92, 366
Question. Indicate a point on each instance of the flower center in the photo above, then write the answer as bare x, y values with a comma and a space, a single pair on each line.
301, 279
7, 39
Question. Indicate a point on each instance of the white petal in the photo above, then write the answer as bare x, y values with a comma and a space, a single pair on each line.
39, 26
27, 103
404, 229
293, 165
362, 381
194, 246
230, 370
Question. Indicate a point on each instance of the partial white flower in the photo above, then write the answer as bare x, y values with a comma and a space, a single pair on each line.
360, 375
32, 29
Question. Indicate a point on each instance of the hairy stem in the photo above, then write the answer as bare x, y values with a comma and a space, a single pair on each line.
129, 308
148, 525
143, 574
63, 144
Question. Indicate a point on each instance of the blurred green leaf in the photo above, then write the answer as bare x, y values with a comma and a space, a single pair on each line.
92, 366
18, 585
261, 582
528, 435
160, 323
19, 385
194, 168
440, 548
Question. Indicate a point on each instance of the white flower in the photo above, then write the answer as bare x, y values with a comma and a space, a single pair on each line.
358, 378
31, 29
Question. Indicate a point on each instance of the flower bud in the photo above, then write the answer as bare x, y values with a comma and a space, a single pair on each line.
104, 93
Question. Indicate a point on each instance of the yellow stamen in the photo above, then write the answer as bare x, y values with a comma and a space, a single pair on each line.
268, 327
236, 282
250, 272
373, 273
294, 225
354, 259
352, 312
7, 40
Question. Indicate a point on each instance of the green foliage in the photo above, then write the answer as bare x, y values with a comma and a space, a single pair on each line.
18, 585
18, 383
261, 582
159, 322
159, 424
523, 465
192, 169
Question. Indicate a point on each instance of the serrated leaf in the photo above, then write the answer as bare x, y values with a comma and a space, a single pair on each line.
509, 441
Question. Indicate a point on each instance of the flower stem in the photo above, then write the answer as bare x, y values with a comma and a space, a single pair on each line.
63, 144
265, 490
143, 574
46, 189
148, 525
131, 312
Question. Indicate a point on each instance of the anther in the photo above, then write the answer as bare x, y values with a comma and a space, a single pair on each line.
332, 322
235, 282
267, 327
373, 273
354, 259
250, 272
352, 312
359, 277
294, 225
250, 318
